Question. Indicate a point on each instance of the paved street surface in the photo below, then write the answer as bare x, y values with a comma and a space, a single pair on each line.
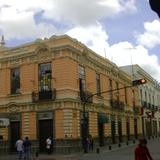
123, 153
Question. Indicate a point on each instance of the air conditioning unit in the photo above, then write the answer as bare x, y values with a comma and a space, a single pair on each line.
4, 122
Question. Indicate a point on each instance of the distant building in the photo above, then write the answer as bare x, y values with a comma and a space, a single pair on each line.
45, 89
149, 98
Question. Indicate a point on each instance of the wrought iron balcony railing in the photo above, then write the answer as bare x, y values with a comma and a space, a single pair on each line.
117, 104
149, 106
144, 104
136, 109
154, 107
86, 96
43, 95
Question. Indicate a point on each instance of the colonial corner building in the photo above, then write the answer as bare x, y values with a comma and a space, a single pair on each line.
43, 90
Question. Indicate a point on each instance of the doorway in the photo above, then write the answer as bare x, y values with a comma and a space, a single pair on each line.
101, 133
135, 129
84, 127
128, 130
45, 131
148, 128
14, 134
120, 131
113, 130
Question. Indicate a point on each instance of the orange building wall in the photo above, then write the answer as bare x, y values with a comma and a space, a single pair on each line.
90, 80
29, 125
27, 78
5, 80
76, 124
65, 73
104, 86
59, 132
93, 123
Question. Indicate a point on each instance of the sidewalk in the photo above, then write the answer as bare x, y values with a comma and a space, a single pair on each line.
74, 156
42, 157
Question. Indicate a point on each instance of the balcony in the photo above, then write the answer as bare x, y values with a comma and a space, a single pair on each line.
43, 95
117, 104
136, 109
154, 108
86, 96
144, 104
149, 106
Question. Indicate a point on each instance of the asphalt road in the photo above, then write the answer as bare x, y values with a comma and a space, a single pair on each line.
124, 153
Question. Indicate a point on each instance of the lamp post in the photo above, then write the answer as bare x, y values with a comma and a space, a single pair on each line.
84, 129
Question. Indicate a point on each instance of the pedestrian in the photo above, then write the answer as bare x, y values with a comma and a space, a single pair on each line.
91, 142
141, 151
19, 147
86, 145
52, 143
48, 145
27, 148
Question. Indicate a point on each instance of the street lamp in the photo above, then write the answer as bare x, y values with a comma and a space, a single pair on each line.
139, 82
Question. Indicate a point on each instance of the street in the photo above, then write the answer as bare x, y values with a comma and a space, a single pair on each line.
125, 153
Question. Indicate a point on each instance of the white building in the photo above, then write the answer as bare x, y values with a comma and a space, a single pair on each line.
149, 98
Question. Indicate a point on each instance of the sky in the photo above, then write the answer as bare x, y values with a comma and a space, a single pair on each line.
124, 31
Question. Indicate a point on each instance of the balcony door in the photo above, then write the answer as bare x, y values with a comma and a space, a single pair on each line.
45, 81
113, 129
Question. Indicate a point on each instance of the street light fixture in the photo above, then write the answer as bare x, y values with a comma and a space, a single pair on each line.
139, 82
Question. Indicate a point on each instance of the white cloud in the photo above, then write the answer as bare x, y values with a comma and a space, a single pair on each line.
88, 12
21, 15
123, 53
151, 37
17, 20
22, 25
93, 36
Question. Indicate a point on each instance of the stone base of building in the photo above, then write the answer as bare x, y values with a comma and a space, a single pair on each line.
67, 146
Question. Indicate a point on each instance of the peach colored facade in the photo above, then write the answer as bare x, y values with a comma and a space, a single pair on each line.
63, 112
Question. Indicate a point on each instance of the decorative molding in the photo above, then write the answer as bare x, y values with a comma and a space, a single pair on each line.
15, 117
13, 107
45, 106
45, 115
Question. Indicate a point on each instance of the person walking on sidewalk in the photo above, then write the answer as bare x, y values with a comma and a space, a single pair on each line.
19, 147
141, 151
48, 145
27, 148
91, 143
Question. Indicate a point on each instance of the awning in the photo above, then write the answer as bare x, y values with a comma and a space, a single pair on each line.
103, 118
